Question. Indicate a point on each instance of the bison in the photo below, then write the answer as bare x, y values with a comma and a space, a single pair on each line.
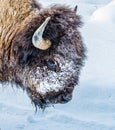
41, 50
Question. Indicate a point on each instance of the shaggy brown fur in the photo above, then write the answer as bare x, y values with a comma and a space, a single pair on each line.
12, 15
34, 69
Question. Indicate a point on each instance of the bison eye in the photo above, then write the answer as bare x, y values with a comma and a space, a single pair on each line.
51, 64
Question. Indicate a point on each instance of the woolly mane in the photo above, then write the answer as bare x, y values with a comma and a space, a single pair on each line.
12, 13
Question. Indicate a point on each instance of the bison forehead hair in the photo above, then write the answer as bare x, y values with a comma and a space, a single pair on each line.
48, 75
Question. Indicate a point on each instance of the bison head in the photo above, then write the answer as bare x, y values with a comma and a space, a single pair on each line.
46, 55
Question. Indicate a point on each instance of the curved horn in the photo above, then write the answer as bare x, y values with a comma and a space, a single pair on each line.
37, 39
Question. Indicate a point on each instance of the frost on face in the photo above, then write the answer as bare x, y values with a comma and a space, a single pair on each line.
45, 80
57, 81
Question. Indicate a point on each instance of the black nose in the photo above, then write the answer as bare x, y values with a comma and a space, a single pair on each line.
65, 96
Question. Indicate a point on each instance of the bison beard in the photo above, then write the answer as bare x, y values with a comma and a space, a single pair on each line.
48, 76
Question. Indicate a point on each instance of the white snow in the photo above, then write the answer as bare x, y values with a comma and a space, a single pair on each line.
93, 103
105, 14
55, 85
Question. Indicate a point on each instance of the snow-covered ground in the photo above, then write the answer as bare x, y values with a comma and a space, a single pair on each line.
93, 104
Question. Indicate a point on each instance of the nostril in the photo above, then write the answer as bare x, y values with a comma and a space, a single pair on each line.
63, 98
67, 97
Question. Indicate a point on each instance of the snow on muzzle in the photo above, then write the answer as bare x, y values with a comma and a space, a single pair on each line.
54, 87
51, 97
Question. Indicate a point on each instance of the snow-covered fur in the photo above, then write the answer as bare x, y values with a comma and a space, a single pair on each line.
48, 76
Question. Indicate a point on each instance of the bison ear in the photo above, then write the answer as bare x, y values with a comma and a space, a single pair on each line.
75, 9
37, 38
